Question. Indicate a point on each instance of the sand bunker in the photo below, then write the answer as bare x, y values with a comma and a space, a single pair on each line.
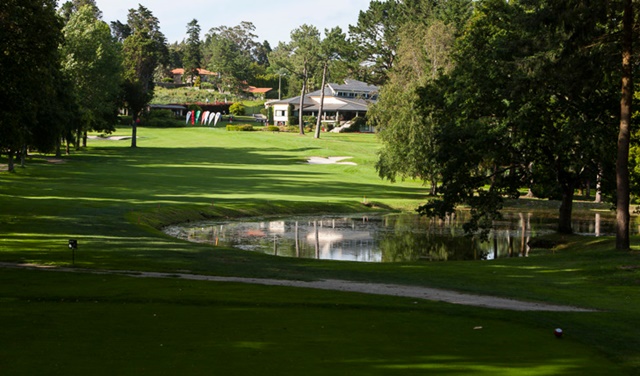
113, 138
330, 160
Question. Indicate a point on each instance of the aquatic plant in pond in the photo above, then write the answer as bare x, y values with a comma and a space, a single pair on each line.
385, 238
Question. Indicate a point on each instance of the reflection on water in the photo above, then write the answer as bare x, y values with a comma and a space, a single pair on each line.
385, 238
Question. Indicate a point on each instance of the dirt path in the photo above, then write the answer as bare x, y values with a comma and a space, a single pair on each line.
416, 292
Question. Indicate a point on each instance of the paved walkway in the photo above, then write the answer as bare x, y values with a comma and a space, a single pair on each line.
416, 292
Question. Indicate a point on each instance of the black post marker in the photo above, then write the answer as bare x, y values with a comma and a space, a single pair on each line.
73, 245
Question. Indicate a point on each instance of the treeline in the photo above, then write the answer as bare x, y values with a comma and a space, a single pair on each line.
66, 72
510, 97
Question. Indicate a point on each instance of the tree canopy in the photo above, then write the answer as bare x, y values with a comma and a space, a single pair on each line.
142, 51
192, 57
30, 33
92, 62
528, 103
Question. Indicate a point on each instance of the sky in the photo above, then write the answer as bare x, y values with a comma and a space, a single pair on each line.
274, 19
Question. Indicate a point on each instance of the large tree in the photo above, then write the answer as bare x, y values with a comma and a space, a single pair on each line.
331, 49
230, 52
30, 33
91, 60
68, 8
624, 134
406, 133
376, 35
299, 57
530, 100
425, 44
142, 50
192, 57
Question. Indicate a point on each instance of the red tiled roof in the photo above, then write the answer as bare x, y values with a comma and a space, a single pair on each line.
200, 72
257, 90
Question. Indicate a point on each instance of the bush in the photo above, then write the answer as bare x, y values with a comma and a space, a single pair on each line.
271, 128
240, 128
270, 115
291, 119
237, 109
161, 119
288, 128
207, 85
125, 120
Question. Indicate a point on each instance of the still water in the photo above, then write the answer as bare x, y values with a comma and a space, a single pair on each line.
384, 238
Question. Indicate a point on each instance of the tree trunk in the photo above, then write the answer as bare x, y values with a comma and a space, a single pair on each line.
622, 163
598, 198
304, 88
319, 121
77, 138
566, 207
58, 147
134, 129
433, 189
10, 166
23, 156
84, 139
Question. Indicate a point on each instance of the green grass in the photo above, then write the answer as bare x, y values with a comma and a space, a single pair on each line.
113, 199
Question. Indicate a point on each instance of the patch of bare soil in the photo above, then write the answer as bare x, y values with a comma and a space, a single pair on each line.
55, 160
416, 292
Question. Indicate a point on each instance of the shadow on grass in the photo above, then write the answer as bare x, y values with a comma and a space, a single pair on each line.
197, 175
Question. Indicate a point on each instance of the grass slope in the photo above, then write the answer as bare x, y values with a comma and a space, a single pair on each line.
113, 198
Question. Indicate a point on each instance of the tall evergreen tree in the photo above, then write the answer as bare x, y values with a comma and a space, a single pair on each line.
376, 35
192, 58
142, 51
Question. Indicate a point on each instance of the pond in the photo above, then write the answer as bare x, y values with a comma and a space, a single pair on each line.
385, 238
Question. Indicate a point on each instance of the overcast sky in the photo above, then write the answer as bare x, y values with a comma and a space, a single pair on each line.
274, 19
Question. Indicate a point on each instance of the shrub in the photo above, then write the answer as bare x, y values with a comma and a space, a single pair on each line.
240, 128
271, 128
237, 109
288, 128
161, 119
270, 115
207, 85
292, 120
125, 120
